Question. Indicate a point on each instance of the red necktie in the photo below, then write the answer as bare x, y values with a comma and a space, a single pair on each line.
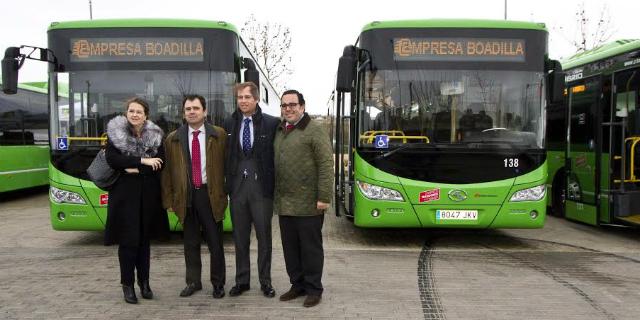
289, 127
196, 172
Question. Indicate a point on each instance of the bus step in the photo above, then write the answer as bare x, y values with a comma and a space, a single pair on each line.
634, 219
626, 203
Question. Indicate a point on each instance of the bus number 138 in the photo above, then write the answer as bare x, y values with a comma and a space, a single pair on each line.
510, 162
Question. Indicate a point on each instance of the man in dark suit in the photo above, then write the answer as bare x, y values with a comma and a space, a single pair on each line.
193, 187
250, 178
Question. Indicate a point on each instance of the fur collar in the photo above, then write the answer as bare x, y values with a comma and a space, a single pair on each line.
120, 135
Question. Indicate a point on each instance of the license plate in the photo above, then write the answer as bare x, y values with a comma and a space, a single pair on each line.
457, 215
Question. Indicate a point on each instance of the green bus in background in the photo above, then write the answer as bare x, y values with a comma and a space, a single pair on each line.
440, 124
106, 62
24, 137
594, 155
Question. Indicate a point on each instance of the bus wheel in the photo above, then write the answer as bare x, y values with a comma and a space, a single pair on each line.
559, 196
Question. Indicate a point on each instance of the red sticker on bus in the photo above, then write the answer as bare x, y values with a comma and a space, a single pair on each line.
104, 199
429, 195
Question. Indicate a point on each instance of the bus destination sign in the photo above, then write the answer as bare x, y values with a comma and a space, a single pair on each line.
459, 49
136, 49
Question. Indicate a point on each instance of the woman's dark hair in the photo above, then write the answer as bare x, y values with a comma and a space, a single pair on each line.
300, 96
140, 101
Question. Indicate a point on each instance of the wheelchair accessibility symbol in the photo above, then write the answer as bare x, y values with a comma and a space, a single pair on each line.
63, 143
381, 141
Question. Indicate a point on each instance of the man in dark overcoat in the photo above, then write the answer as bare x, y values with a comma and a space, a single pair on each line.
250, 178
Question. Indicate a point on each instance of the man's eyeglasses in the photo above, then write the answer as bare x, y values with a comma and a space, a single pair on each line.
289, 105
246, 97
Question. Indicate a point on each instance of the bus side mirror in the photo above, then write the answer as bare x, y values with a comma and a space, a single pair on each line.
346, 70
555, 82
10, 66
251, 74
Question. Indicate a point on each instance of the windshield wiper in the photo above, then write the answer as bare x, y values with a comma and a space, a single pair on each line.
400, 148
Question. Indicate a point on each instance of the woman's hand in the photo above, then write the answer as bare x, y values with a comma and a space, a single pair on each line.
154, 163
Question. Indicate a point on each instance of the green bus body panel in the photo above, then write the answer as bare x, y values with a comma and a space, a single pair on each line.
490, 199
92, 216
555, 161
143, 23
581, 212
583, 167
39, 86
23, 166
454, 23
604, 187
77, 216
602, 52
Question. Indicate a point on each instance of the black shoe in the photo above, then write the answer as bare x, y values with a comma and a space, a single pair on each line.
311, 301
291, 294
268, 291
218, 292
145, 290
129, 294
238, 289
190, 289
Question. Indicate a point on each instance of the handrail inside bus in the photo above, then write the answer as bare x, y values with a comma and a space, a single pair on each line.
369, 136
632, 166
102, 138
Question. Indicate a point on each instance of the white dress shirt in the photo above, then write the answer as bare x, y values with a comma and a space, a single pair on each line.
203, 153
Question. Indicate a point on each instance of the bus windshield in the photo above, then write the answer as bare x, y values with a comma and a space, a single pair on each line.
470, 109
98, 96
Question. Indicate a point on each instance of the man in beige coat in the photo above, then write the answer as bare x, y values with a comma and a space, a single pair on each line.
193, 186
303, 190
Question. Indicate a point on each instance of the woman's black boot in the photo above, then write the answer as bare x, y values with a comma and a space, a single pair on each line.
145, 290
129, 294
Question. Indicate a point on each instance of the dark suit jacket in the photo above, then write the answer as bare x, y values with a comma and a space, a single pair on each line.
264, 131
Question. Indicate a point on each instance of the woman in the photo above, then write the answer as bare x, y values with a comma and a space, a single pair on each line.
135, 214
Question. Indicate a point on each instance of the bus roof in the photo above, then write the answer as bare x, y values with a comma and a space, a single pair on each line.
604, 51
143, 23
454, 23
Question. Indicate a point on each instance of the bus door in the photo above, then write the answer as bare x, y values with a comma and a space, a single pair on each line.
582, 151
625, 147
343, 165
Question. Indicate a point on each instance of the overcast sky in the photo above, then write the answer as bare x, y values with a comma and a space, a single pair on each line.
319, 31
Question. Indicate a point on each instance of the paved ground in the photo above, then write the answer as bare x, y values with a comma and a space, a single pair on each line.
564, 271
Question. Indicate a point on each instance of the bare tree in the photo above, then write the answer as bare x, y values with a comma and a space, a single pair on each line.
591, 30
269, 42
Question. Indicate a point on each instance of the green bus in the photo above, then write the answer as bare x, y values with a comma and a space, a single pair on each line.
105, 62
594, 156
24, 138
440, 124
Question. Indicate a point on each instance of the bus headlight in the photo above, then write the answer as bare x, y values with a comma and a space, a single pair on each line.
64, 196
531, 194
374, 192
